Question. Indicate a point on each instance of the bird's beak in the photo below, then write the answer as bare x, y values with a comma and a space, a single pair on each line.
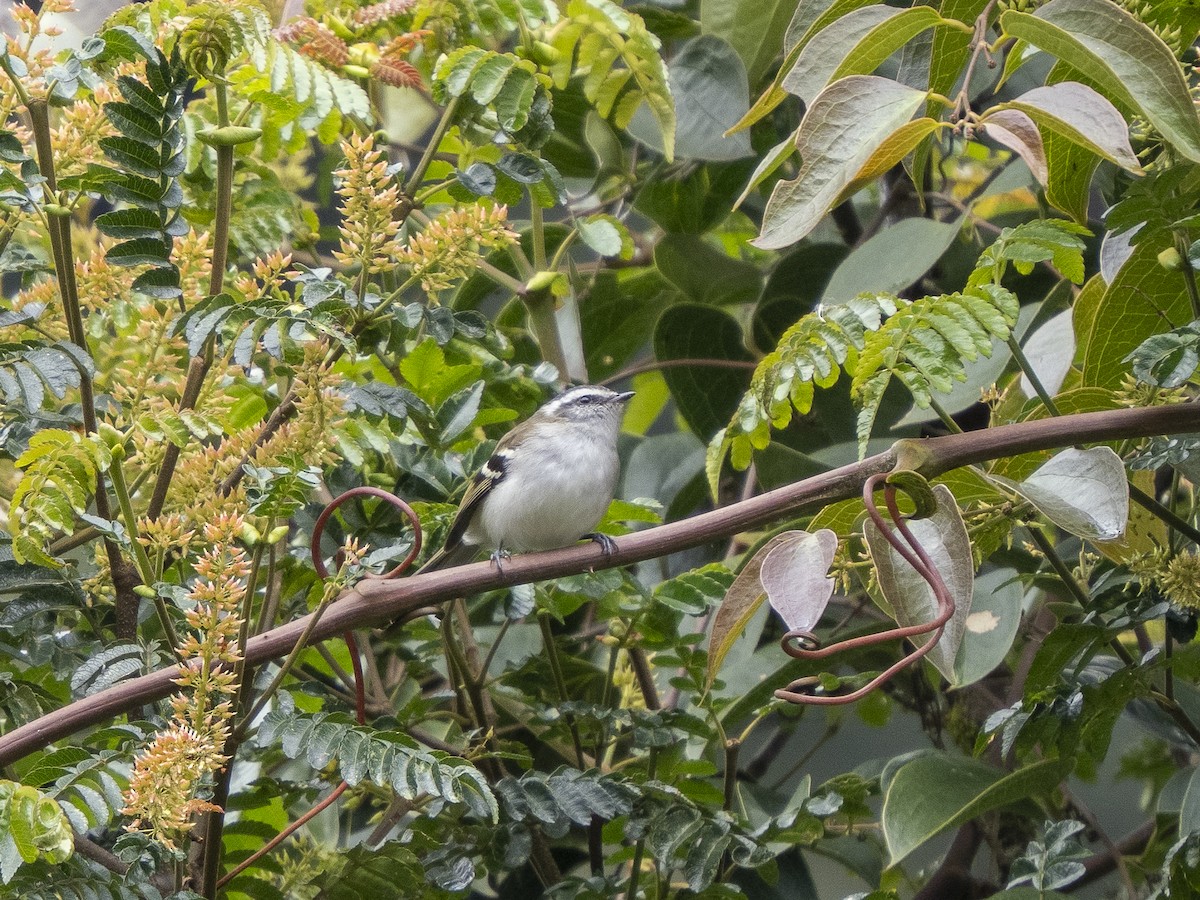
624, 397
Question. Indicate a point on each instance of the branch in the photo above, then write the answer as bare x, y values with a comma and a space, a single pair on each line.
376, 601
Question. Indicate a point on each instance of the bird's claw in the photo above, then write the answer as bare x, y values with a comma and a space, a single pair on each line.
607, 544
498, 555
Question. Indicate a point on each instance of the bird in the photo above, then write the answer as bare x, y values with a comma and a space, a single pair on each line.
547, 484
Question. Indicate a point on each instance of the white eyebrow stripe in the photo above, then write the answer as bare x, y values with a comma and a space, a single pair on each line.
572, 395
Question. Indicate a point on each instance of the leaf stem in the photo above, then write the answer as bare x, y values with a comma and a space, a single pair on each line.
1153, 506
946, 418
199, 366
332, 590
1027, 369
560, 685
439, 132
639, 846
1189, 273
537, 233
561, 250
141, 560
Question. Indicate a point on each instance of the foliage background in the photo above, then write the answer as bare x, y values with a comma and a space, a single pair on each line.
251, 263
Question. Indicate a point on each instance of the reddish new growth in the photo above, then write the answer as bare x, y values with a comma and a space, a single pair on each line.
313, 39
392, 68
397, 73
381, 12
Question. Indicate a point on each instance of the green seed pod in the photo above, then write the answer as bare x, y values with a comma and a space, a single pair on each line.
250, 535
229, 135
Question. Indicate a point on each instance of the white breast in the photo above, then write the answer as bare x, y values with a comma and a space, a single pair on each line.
553, 492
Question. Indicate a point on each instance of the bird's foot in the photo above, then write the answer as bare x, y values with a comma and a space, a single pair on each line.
607, 544
498, 557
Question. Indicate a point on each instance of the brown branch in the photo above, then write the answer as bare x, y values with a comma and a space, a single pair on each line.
376, 601
953, 877
1100, 864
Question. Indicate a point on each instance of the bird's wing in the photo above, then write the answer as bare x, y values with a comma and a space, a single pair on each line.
485, 480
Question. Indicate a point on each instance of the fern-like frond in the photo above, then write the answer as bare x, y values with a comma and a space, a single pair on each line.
278, 323
294, 92
60, 469
926, 344
386, 758
30, 370
32, 827
90, 792
1054, 241
504, 90
619, 60
811, 354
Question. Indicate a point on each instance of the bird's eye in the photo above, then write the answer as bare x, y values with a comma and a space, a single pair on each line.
586, 399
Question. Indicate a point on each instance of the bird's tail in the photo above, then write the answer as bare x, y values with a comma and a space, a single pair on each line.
448, 557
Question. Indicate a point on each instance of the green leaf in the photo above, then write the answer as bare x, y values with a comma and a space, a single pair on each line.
127, 224
423, 365
1069, 178
604, 234
134, 123
708, 84
139, 252
489, 78
693, 199
1189, 810
515, 100
856, 44
944, 538
704, 273
991, 627
145, 193
1079, 114
141, 95
856, 128
1122, 56
706, 396
1143, 299
934, 793
615, 318
704, 856
893, 259
133, 156
1084, 492
752, 27
31, 826
1167, 360
811, 17
161, 283
52, 765
603, 35
125, 43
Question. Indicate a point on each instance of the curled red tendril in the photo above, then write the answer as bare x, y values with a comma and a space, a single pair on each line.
807, 646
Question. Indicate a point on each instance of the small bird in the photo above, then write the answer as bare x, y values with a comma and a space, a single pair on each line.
548, 483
